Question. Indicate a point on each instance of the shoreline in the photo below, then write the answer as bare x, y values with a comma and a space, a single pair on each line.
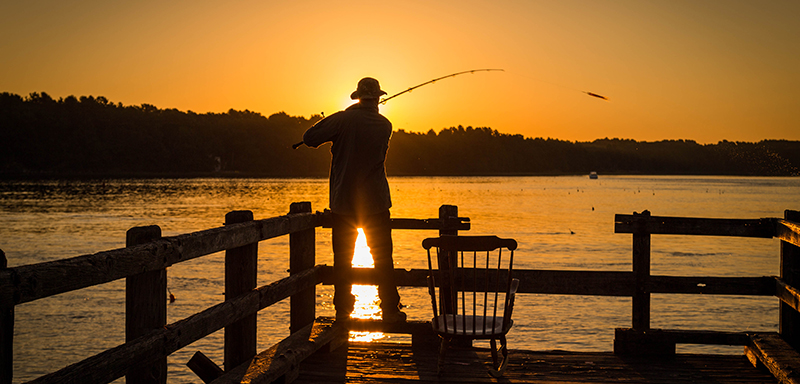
15, 176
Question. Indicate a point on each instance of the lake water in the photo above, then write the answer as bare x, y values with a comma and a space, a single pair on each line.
560, 223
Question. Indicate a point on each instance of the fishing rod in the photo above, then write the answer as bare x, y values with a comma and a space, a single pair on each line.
383, 101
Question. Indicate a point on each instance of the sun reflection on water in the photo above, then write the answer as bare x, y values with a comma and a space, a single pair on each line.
367, 301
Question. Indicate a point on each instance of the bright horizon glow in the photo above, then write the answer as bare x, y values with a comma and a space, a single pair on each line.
673, 69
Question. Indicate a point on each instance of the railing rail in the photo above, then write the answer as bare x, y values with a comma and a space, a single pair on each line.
788, 231
35, 281
666, 225
598, 283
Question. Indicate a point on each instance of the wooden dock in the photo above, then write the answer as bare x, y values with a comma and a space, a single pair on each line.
320, 354
404, 363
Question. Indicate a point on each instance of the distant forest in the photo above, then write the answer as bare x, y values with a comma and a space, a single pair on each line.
93, 137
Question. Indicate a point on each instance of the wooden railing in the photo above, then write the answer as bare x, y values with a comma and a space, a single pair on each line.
778, 352
143, 263
149, 340
640, 338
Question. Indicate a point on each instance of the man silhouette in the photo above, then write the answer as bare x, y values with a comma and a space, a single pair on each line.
359, 194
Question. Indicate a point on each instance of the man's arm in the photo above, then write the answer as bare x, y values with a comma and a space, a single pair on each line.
323, 131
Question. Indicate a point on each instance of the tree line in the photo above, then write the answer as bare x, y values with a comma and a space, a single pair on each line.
93, 137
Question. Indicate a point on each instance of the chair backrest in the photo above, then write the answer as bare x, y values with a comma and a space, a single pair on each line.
473, 277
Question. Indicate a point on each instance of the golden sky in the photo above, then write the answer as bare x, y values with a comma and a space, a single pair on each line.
696, 69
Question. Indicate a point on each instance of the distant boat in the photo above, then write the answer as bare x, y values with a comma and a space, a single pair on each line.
592, 175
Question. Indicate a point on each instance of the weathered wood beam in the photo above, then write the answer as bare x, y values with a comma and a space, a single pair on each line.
35, 281
601, 283
592, 283
707, 337
664, 225
769, 350
241, 276
111, 364
662, 342
456, 224
640, 300
402, 327
204, 367
367, 276
453, 224
788, 294
788, 231
302, 256
642, 342
284, 358
145, 308
677, 336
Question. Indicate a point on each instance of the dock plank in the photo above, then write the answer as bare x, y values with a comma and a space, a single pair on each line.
401, 363
769, 350
280, 361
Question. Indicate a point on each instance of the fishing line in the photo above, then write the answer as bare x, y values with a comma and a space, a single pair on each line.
593, 94
383, 101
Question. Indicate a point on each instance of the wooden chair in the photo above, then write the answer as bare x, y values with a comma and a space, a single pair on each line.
475, 292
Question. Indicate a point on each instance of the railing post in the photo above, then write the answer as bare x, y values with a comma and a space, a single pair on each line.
789, 324
240, 278
640, 340
302, 246
641, 274
448, 215
145, 307
6, 335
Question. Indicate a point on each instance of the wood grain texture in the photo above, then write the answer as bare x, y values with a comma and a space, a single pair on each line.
372, 363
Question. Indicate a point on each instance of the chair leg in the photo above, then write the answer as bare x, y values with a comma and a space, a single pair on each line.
442, 351
499, 366
493, 344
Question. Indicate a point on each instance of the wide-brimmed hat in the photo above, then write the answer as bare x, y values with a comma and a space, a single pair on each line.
368, 88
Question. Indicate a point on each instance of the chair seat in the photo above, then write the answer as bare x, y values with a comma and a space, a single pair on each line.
470, 326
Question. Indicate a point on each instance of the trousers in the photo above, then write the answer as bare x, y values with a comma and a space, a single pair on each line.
378, 231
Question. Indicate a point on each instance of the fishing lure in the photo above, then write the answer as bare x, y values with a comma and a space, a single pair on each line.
596, 95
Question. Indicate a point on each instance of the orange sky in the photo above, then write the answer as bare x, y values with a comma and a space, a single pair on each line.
673, 69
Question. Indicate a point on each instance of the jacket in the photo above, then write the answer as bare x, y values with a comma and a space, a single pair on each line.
360, 137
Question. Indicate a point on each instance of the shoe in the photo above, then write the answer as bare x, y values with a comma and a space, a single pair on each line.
394, 317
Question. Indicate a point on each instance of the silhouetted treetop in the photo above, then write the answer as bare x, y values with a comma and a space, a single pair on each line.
92, 136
